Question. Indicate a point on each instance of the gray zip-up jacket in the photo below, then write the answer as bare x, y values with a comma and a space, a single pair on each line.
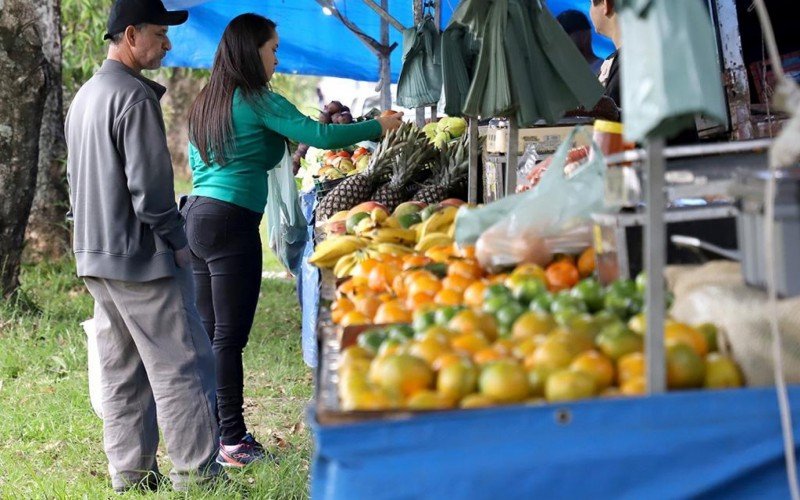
122, 196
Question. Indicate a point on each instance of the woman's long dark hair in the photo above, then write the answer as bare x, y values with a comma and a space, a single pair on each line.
237, 64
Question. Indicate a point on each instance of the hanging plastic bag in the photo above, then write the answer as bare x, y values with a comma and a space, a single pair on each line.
420, 82
670, 67
288, 228
554, 217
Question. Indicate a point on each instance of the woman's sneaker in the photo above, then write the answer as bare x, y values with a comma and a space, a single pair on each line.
247, 451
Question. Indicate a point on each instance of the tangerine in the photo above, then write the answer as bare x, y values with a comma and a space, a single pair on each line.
457, 283
473, 295
466, 269
562, 275
586, 263
354, 318
504, 381
392, 312
447, 297
596, 365
403, 374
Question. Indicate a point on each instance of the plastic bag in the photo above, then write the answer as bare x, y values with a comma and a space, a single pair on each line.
670, 67
554, 217
420, 82
288, 228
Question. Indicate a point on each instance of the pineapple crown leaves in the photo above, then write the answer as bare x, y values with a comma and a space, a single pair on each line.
453, 163
402, 153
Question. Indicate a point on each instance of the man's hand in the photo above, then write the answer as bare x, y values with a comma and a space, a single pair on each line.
183, 257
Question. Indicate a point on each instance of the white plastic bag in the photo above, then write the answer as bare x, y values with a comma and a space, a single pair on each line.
288, 228
95, 382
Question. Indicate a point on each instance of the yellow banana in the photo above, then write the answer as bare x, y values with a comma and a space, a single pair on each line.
328, 252
451, 231
392, 223
393, 235
393, 249
378, 215
433, 240
438, 221
345, 265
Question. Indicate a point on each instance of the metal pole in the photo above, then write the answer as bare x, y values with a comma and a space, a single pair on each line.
418, 10
385, 59
437, 20
511, 158
474, 161
655, 259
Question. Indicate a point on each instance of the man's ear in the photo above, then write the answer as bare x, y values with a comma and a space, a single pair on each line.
609, 8
130, 35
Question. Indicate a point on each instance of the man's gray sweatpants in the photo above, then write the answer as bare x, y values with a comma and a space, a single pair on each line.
157, 370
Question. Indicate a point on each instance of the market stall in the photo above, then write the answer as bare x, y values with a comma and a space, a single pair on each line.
445, 394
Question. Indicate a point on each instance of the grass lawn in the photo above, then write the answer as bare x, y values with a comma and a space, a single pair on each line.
52, 441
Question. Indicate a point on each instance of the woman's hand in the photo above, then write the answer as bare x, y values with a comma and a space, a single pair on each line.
390, 122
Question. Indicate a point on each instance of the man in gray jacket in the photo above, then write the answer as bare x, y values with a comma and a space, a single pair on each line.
132, 252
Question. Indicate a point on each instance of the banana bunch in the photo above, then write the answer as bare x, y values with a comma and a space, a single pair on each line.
433, 240
328, 253
379, 249
439, 222
392, 235
345, 265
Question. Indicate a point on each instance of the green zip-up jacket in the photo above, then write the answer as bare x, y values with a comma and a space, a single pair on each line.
259, 133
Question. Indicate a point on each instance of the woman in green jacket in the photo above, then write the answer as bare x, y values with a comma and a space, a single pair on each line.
238, 129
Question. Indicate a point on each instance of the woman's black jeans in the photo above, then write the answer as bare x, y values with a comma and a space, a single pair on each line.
226, 263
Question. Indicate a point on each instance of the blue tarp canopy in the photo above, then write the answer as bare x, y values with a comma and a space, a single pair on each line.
311, 42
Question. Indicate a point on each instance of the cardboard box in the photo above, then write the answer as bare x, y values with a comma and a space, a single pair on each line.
545, 139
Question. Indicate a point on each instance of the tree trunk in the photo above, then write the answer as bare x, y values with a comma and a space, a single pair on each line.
183, 86
48, 234
23, 91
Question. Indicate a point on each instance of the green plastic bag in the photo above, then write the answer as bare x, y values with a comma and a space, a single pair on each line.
518, 62
420, 82
559, 203
287, 226
670, 70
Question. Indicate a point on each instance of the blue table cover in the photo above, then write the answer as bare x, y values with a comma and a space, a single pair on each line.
698, 444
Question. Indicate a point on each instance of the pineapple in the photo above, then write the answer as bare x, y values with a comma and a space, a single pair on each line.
359, 188
410, 164
450, 180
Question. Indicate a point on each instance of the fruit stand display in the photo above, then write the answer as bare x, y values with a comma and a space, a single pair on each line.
426, 354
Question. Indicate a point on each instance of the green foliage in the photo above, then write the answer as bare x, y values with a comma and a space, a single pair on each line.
83, 26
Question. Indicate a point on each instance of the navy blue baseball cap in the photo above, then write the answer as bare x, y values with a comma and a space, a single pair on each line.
126, 13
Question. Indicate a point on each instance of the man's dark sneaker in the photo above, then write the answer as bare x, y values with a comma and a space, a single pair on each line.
247, 451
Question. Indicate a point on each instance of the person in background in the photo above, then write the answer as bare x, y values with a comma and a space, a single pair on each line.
604, 18
131, 250
238, 129
577, 26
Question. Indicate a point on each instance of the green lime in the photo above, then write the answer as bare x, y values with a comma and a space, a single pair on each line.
445, 314
590, 293
618, 340
400, 333
494, 304
542, 303
529, 290
508, 314
497, 291
563, 300
371, 340
423, 321
623, 288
